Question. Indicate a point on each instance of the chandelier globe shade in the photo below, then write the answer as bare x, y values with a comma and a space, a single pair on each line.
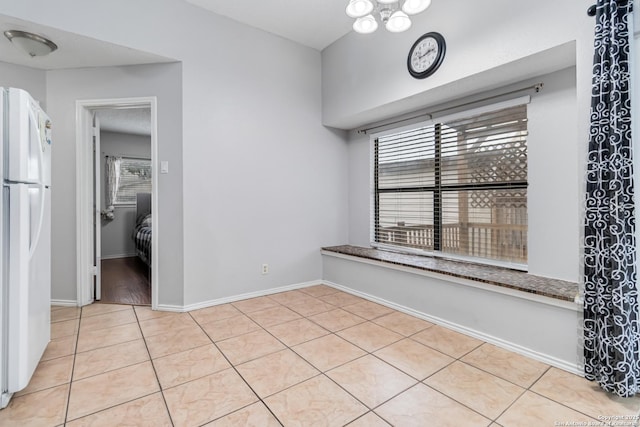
365, 25
398, 22
359, 8
394, 15
413, 7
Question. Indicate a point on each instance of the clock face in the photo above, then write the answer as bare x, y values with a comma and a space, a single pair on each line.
426, 55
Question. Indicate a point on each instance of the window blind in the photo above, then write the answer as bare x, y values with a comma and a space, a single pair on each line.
135, 177
457, 187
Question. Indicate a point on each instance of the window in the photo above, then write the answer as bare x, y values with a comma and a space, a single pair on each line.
456, 188
135, 177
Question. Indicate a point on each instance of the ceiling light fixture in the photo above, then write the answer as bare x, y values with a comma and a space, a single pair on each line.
393, 14
33, 44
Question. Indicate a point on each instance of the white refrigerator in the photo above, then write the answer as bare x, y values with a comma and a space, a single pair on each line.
25, 208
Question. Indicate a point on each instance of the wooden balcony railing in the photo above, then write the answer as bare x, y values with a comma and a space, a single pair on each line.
505, 242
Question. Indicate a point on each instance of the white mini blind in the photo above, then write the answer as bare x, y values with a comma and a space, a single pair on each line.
456, 187
135, 177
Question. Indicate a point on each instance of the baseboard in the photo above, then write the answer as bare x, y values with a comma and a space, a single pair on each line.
226, 300
541, 357
172, 308
64, 303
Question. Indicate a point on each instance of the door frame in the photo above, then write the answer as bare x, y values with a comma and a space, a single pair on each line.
85, 191
97, 200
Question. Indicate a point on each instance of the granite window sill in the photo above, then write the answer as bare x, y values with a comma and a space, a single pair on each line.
504, 277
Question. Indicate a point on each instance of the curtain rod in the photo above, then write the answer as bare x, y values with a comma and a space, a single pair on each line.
537, 87
129, 157
592, 10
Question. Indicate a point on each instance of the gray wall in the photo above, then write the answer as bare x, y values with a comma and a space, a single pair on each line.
116, 234
538, 327
490, 44
554, 180
29, 79
64, 87
263, 180
491, 47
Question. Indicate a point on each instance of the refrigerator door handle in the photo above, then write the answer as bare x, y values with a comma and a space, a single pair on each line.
34, 242
39, 148
35, 123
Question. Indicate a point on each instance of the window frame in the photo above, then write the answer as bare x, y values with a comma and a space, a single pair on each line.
117, 203
375, 191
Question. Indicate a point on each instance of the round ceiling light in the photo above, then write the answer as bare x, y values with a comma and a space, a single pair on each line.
32, 44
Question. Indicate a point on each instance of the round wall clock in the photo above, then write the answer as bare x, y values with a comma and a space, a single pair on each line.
426, 55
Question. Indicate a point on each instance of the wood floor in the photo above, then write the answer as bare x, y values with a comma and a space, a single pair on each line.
125, 281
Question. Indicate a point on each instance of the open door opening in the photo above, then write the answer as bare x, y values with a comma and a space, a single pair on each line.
117, 201
124, 221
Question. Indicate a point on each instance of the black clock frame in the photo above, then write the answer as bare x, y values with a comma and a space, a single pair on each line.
442, 47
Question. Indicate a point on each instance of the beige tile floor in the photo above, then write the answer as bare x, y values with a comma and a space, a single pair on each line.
315, 356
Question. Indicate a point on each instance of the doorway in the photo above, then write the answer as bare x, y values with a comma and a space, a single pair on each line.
123, 169
108, 221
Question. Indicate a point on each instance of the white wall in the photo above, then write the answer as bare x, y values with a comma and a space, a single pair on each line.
263, 180
116, 238
64, 87
29, 79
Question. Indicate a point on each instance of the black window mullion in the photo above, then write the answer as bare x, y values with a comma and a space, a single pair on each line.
455, 187
376, 192
437, 194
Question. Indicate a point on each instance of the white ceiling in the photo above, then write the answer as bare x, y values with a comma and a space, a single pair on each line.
74, 51
136, 121
313, 23
316, 24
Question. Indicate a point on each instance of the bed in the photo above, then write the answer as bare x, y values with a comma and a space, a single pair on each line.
142, 230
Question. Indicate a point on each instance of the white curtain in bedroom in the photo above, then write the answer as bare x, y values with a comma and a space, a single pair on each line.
112, 172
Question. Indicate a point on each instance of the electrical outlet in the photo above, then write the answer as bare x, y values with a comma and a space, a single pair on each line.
265, 268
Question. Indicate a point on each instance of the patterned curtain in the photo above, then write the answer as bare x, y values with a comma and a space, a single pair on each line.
611, 296
112, 175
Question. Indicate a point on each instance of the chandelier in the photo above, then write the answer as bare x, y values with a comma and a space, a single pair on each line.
394, 14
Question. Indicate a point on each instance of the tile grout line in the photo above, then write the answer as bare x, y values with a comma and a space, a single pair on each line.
153, 366
73, 367
324, 374
321, 373
367, 353
525, 389
436, 390
389, 364
459, 359
549, 368
564, 405
240, 375
455, 359
287, 347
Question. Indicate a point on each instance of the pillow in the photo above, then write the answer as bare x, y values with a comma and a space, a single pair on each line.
146, 221
143, 221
